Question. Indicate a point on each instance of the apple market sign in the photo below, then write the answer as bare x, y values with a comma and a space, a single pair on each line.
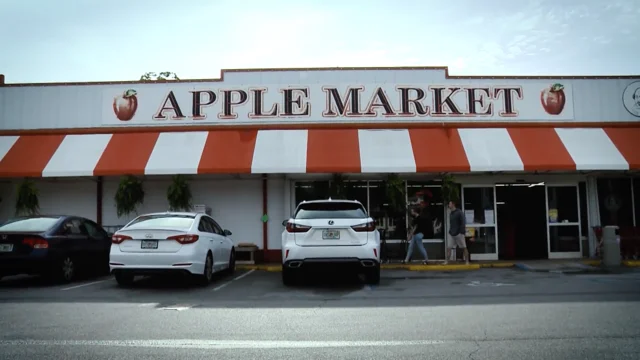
179, 104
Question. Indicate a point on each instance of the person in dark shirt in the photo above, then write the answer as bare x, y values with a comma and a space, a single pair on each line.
421, 225
457, 230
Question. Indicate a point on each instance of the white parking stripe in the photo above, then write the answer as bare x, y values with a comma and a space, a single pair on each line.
243, 275
234, 279
223, 344
83, 285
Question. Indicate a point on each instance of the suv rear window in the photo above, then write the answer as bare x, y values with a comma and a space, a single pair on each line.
162, 221
331, 210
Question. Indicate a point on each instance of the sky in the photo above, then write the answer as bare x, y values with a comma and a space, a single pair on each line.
97, 40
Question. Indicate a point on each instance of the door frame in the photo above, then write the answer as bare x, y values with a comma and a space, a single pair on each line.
489, 256
563, 255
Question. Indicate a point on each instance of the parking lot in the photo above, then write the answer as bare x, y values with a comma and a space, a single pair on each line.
250, 287
450, 315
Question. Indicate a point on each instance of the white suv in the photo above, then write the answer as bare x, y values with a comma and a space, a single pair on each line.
330, 233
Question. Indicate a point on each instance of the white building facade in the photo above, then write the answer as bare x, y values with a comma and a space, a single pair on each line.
541, 161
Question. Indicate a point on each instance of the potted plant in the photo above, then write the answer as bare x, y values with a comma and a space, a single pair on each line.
338, 189
450, 189
395, 193
129, 196
179, 194
27, 202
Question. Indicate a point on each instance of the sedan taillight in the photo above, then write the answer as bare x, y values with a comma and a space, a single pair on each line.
184, 238
366, 227
119, 239
295, 228
36, 243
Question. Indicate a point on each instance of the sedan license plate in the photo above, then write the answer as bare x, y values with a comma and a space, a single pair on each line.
331, 234
6, 247
149, 244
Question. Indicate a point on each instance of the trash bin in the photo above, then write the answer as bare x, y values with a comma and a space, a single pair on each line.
611, 247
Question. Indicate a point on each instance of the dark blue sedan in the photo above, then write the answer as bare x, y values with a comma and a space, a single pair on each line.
57, 247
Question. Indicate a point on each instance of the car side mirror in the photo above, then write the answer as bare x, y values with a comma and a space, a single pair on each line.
227, 232
284, 222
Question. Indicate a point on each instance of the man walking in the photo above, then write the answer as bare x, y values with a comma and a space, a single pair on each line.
457, 230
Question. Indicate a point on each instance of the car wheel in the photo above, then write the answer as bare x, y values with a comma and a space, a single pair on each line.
64, 271
232, 263
288, 276
207, 275
124, 279
372, 277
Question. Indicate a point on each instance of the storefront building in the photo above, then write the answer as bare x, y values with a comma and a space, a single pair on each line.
540, 161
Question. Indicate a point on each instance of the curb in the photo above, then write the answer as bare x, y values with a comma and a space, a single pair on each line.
631, 263
461, 267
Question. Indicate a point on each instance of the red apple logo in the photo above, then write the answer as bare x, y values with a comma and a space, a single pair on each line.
125, 105
553, 99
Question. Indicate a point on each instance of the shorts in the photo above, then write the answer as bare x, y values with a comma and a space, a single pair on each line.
456, 241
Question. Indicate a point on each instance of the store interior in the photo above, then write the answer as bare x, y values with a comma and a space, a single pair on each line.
522, 226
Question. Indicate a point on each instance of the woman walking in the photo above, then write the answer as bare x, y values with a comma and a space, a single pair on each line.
421, 225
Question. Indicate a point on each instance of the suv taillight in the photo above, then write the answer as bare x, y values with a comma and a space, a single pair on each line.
36, 243
185, 238
295, 228
119, 239
366, 227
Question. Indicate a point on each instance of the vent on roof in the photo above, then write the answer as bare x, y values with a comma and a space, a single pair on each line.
204, 209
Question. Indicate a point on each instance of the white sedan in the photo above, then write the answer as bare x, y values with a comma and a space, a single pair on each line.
171, 243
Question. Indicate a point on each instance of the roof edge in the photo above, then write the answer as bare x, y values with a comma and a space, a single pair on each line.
257, 70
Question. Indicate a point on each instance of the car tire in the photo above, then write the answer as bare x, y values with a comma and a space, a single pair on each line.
288, 276
124, 279
207, 275
372, 276
63, 271
232, 263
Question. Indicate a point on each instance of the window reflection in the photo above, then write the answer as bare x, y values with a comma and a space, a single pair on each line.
564, 238
479, 205
311, 190
563, 204
391, 222
483, 240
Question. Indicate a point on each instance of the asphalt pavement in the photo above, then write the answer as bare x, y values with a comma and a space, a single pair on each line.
485, 314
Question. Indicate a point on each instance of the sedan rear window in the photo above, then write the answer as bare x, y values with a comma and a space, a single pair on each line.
37, 224
331, 210
162, 221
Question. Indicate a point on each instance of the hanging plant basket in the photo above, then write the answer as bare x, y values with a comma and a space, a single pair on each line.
396, 193
338, 187
27, 202
450, 189
129, 196
179, 194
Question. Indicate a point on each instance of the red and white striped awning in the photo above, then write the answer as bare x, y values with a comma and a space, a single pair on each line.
321, 151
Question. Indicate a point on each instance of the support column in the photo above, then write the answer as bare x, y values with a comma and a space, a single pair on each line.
99, 195
265, 225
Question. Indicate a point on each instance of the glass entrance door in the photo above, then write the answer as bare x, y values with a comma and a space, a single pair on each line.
564, 232
479, 208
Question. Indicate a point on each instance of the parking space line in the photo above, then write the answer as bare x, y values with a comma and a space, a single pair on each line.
83, 285
234, 279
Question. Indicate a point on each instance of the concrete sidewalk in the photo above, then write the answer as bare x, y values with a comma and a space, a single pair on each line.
539, 266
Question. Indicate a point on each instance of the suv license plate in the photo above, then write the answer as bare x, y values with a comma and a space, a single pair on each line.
149, 244
331, 234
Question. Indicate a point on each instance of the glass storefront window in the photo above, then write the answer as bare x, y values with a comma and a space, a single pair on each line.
393, 223
428, 195
614, 197
483, 240
563, 204
479, 202
357, 190
564, 239
311, 190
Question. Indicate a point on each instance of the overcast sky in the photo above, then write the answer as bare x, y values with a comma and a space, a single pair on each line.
97, 40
